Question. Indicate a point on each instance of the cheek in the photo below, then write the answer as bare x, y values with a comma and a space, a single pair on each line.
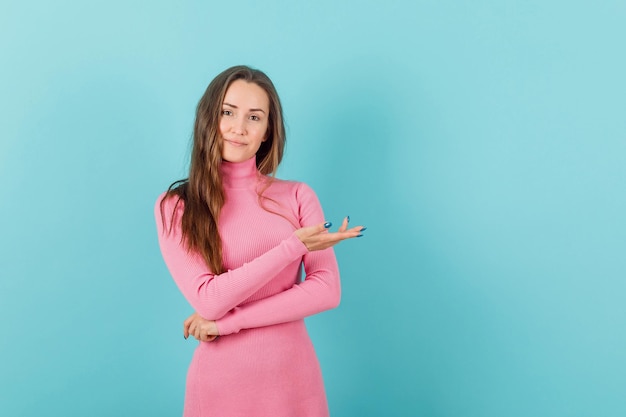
222, 127
263, 132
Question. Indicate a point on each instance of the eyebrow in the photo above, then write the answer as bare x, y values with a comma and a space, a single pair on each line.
235, 107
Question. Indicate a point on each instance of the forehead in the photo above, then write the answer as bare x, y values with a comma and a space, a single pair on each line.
246, 95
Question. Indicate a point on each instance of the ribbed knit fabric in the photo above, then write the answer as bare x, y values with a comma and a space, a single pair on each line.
263, 364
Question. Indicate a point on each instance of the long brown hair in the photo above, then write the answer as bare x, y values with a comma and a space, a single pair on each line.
202, 192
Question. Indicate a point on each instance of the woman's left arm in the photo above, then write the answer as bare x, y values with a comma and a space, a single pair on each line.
319, 291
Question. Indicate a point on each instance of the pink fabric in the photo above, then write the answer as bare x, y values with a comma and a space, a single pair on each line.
264, 363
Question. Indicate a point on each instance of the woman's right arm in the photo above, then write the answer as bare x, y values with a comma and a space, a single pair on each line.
211, 295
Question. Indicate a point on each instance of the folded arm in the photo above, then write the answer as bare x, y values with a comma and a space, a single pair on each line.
320, 290
212, 295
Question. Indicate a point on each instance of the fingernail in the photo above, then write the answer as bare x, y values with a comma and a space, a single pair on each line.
363, 228
348, 217
327, 224
359, 235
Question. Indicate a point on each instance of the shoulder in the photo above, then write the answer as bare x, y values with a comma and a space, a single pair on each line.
304, 192
303, 201
298, 190
168, 201
168, 207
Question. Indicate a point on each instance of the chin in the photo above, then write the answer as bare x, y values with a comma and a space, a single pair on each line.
236, 158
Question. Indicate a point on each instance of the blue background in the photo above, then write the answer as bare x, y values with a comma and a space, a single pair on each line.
483, 144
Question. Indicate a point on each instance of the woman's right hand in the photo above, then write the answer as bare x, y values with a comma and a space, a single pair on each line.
202, 329
318, 237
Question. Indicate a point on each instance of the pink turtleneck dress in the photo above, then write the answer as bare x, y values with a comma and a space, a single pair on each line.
263, 363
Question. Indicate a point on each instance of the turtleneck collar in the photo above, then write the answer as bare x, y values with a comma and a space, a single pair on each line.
239, 174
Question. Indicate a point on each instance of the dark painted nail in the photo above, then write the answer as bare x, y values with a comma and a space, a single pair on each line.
327, 224
348, 217
363, 228
359, 235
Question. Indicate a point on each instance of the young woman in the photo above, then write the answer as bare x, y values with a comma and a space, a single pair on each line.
235, 240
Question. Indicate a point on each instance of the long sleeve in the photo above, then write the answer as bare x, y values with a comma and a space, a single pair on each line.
320, 290
211, 295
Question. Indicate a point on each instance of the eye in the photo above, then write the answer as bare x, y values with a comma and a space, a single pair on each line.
255, 117
226, 112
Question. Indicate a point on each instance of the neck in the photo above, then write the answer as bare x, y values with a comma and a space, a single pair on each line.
239, 174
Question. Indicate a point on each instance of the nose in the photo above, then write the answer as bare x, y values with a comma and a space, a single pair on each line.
238, 126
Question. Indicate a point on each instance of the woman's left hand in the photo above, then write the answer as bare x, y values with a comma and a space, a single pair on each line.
203, 330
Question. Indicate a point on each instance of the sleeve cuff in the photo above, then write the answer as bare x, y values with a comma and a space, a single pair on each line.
228, 324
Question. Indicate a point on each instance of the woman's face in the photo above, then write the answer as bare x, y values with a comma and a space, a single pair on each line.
244, 119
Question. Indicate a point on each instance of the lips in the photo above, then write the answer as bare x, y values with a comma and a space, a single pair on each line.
235, 143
